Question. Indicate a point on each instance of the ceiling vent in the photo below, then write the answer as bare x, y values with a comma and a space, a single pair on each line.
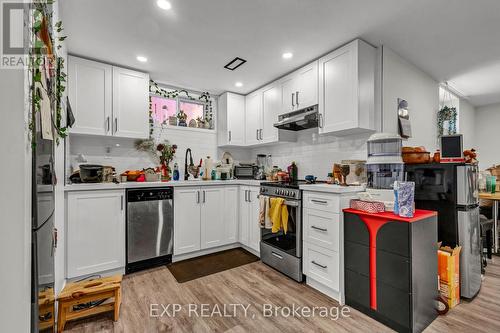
235, 63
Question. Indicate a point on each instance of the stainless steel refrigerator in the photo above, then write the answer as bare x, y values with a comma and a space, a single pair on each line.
452, 191
43, 235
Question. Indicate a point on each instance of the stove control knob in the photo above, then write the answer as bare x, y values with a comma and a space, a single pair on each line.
293, 194
287, 192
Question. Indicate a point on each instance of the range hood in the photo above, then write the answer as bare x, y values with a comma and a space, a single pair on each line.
298, 120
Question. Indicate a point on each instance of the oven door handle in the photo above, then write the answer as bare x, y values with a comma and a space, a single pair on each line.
276, 255
291, 203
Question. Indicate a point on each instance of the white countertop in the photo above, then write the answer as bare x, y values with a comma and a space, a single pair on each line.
113, 186
330, 188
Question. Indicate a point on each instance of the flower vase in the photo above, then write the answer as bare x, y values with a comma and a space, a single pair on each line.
165, 177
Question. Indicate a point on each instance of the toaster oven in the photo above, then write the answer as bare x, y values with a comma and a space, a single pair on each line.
245, 171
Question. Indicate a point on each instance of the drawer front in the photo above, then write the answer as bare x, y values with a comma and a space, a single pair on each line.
393, 304
394, 237
357, 288
355, 230
329, 203
357, 258
322, 228
322, 265
393, 270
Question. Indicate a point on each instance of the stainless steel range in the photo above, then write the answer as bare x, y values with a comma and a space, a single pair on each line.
279, 250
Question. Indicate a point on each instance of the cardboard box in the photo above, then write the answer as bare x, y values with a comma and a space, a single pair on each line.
449, 274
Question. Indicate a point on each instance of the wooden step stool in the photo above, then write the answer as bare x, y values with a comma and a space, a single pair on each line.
75, 293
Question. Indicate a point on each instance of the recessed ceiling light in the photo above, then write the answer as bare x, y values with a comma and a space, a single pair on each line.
238, 84
164, 4
142, 59
287, 55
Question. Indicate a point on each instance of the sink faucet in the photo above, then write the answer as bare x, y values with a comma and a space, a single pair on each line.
186, 173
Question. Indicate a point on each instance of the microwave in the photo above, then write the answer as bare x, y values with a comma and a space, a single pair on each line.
245, 171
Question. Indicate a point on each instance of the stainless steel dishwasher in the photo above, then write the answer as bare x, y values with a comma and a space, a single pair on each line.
150, 228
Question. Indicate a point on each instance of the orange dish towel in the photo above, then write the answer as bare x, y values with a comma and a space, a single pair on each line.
278, 213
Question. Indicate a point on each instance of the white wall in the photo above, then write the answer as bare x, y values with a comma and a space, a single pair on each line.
467, 123
402, 79
15, 204
487, 127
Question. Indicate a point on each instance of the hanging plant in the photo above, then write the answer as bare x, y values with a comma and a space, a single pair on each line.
449, 115
44, 59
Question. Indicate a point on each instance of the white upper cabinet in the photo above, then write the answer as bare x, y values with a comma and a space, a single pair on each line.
108, 100
130, 103
307, 92
90, 94
289, 87
300, 89
231, 120
271, 107
347, 89
253, 118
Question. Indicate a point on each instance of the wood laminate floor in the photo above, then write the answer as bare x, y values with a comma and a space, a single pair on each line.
256, 284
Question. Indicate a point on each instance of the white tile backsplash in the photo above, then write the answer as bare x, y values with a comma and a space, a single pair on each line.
314, 154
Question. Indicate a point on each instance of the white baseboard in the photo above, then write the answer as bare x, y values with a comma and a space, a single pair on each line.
200, 253
190, 255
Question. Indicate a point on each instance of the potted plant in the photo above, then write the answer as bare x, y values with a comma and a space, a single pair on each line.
182, 116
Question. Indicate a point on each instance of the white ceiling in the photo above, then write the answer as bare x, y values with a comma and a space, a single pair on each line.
187, 46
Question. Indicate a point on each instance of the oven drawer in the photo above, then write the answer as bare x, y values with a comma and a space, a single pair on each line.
322, 265
321, 201
281, 261
322, 228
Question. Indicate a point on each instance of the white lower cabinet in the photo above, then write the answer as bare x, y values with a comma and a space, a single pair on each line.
322, 265
204, 217
187, 232
95, 232
323, 245
249, 233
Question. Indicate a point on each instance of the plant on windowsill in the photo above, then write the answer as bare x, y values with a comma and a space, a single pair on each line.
182, 116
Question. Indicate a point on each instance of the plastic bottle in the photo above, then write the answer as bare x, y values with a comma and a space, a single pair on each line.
175, 176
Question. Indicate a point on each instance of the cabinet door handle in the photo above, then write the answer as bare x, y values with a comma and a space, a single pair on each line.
318, 228
260, 134
322, 266
229, 136
277, 255
107, 124
320, 120
116, 125
293, 105
249, 196
297, 98
198, 197
319, 201
121, 202
204, 196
